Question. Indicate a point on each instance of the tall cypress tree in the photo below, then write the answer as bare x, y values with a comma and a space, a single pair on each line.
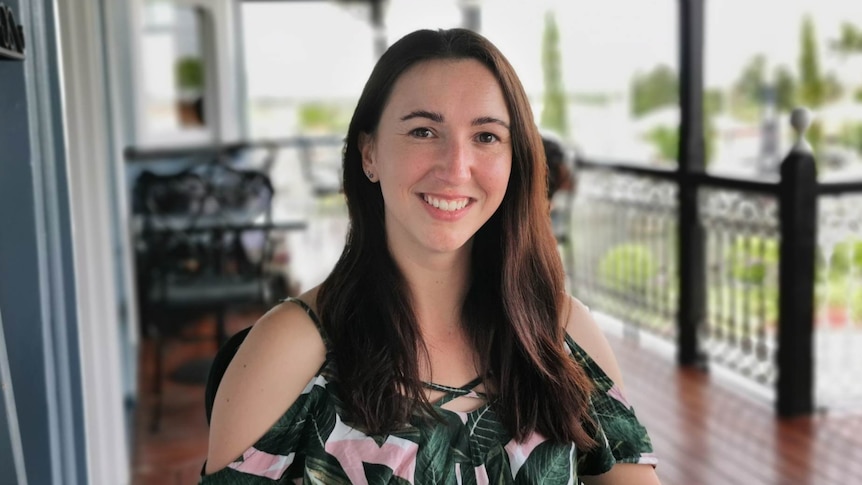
554, 104
811, 86
785, 89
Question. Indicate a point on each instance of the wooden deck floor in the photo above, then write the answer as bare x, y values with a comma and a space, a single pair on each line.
704, 432
708, 432
175, 453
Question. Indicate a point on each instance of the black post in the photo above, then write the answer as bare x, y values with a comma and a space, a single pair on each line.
471, 15
379, 28
798, 198
692, 264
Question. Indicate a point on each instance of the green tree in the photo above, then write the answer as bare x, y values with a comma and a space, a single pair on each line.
657, 88
850, 40
785, 89
554, 104
849, 43
812, 88
832, 88
749, 87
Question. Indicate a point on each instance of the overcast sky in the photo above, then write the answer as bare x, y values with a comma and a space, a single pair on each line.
319, 49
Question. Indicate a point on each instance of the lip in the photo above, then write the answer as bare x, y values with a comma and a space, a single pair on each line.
446, 215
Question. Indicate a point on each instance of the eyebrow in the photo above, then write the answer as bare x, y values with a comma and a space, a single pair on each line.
421, 113
438, 118
484, 120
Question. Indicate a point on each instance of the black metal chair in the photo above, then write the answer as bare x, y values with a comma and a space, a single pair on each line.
320, 159
193, 257
222, 359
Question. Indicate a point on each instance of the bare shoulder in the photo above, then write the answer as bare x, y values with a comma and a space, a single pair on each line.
582, 327
257, 389
625, 474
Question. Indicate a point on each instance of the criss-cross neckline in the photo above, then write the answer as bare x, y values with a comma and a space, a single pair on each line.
451, 393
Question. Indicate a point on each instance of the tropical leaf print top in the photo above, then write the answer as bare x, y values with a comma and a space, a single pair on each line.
311, 444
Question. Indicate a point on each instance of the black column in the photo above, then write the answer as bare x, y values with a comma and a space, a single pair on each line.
692, 273
379, 28
795, 360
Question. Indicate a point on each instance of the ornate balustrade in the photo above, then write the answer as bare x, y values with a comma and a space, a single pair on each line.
625, 260
778, 263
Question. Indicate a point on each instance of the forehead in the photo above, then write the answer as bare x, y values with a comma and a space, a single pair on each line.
448, 84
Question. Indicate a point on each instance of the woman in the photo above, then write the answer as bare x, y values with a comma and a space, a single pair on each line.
450, 275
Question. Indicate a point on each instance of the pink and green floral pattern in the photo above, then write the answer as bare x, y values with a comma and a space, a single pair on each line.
311, 444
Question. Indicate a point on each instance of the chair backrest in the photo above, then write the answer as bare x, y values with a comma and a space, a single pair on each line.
321, 163
195, 242
204, 194
219, 366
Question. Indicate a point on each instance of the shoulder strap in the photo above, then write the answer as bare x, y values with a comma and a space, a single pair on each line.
312, 316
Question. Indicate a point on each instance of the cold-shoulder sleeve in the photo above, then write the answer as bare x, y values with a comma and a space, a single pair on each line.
620, 436
278, 456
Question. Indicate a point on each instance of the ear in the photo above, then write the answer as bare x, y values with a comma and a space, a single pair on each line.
366, 148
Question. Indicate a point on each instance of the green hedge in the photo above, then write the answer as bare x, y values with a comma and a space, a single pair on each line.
628, 266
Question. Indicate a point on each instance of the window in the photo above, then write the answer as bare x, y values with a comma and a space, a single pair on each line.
175, 105
305, 65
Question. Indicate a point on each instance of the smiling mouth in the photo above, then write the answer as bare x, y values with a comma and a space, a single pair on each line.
448, 205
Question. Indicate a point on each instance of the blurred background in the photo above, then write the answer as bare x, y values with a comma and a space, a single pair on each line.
172, 169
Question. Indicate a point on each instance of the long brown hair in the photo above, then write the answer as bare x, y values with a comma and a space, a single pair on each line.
511, 312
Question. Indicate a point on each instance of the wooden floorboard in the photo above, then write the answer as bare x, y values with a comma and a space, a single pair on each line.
174, 454
704, 430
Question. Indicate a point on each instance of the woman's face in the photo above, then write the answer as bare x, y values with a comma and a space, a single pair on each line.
442, 154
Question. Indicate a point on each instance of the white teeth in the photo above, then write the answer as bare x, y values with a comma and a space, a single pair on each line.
446, 205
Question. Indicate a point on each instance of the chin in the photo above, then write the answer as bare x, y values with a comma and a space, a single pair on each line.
448, 245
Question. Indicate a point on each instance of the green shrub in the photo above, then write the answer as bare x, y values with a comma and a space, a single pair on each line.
189, 73
628, 267
666, 141
837, 297
752, 258
845, 254
850, 135
321, 116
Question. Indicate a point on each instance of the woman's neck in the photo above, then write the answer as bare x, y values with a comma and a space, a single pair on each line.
438, 285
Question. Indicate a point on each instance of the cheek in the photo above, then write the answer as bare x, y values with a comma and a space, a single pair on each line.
497, 177
401, 164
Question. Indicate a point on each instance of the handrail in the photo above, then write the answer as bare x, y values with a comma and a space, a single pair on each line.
699, 179
836, 188
748, 185
134, 154
662, 173
763, 185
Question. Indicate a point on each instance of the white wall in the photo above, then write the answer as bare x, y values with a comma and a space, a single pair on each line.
88, 156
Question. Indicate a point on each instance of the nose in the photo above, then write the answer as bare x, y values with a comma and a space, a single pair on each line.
455, 164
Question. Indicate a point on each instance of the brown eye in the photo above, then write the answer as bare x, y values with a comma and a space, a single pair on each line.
421, 133
487, 138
